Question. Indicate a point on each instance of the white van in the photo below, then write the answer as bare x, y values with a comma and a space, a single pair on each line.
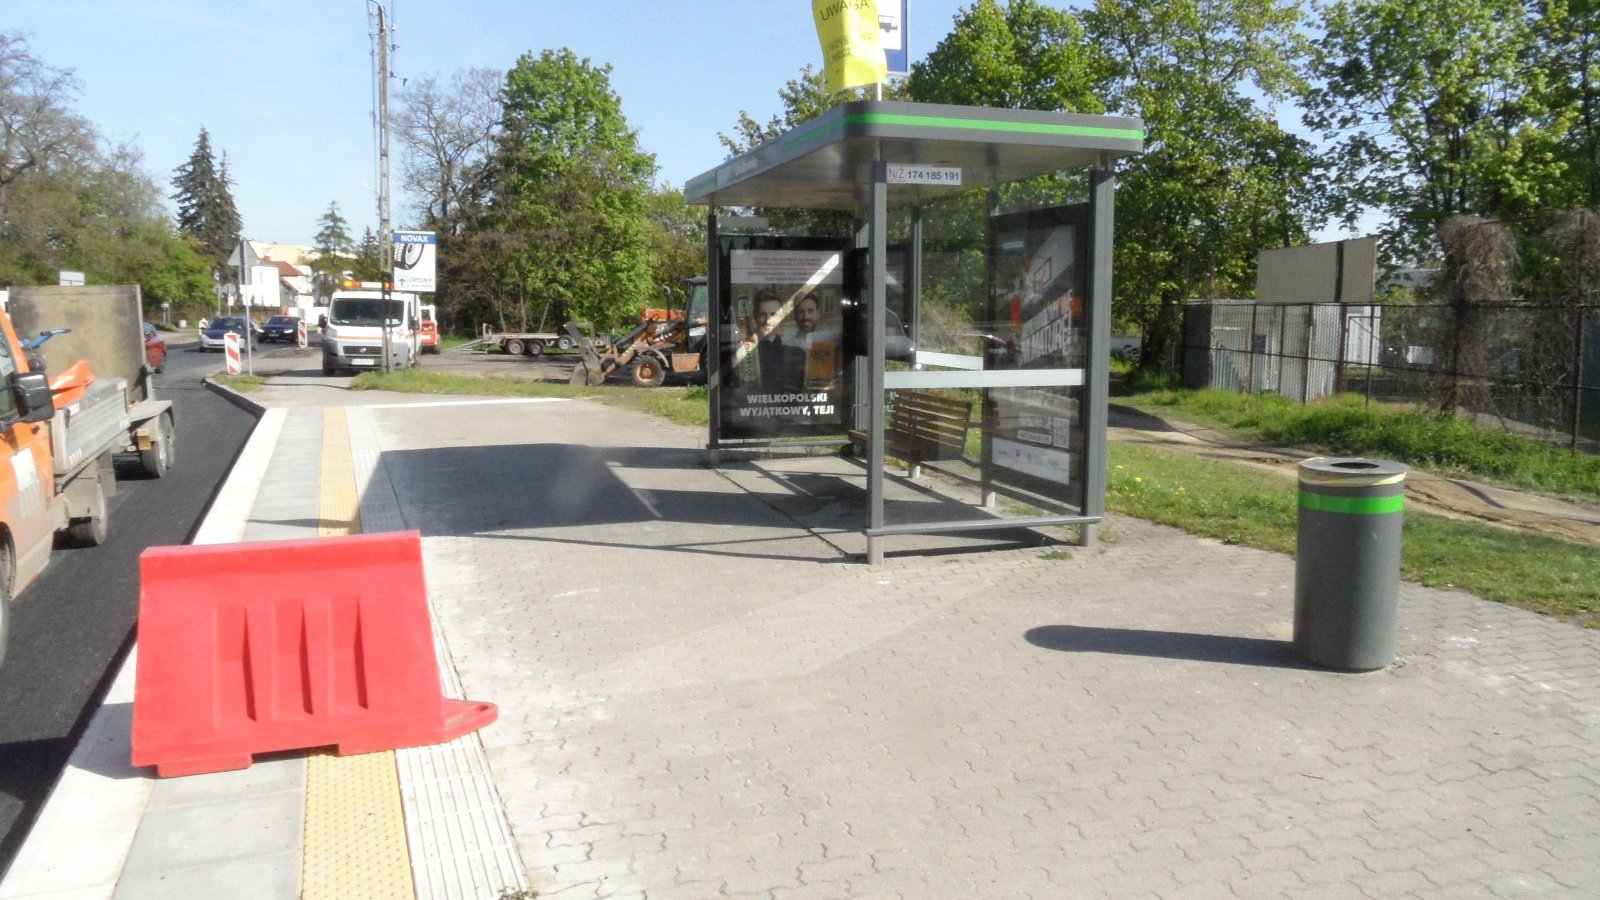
361, 322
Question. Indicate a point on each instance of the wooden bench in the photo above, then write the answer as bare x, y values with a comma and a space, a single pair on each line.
923, 427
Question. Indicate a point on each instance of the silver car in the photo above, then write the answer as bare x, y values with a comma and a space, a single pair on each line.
211, 336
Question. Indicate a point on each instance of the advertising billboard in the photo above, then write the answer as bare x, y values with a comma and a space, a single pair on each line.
783, 348
1039, 284
415, 257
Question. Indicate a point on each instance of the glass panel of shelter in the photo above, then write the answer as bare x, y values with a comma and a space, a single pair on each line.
986, 354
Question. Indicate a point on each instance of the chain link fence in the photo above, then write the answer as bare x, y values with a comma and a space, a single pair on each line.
1531, 369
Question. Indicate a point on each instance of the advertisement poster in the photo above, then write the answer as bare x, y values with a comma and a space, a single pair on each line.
1039, 269
784, 356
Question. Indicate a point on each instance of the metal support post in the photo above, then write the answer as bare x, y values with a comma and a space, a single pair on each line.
878, 230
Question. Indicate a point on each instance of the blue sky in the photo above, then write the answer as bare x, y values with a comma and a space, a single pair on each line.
285, 88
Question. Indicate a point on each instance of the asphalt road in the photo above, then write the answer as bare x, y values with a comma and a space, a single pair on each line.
73, 626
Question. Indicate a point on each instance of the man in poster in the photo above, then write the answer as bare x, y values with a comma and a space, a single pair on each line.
781, 366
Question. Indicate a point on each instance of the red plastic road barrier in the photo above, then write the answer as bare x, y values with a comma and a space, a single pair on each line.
230, 349
284, 645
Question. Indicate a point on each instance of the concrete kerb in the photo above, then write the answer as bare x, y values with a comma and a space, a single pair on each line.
235, 397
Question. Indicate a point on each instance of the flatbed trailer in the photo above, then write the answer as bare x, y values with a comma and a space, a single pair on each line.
521, 343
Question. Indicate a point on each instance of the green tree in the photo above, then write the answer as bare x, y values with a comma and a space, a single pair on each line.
677, 238
368, 262
206, 210
564, 195
335, 250
1439, 108
38, 129
1572, 46
1219, 179
1024, 56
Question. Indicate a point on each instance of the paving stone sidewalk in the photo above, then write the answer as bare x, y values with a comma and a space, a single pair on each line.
700, 700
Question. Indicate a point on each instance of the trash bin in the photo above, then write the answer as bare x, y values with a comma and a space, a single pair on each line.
1347, 562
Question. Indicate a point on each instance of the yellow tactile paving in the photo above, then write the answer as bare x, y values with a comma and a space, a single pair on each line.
355, 835
355, 842
338, 508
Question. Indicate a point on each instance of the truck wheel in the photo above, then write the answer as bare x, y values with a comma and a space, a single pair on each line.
515, 347
158, 458
649, 370
564, 342
535, 348
91, 531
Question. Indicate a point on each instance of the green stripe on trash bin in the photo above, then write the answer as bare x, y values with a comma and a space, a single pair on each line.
1363, 506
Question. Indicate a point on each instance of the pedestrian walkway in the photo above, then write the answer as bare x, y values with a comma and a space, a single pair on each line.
702, 694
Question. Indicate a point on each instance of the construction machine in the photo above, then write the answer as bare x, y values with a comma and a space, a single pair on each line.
668, 340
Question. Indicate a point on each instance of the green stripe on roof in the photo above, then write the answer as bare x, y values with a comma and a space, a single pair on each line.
1009, 127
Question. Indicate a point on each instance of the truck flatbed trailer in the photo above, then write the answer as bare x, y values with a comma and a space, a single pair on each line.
519, 343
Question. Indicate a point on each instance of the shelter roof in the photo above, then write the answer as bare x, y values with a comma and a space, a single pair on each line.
827, 163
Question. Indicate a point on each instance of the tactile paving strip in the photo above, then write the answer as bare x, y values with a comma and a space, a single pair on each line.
355, 836
338, 510
461, 846
355, 843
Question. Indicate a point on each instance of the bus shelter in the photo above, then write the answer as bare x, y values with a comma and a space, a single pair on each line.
937, 290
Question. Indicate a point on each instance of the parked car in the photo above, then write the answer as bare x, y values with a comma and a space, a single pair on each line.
155, 349
211, 337
280, 328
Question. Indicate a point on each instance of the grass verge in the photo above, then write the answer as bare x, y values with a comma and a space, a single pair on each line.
683, 405
244, 384
1346, 426
1238, 505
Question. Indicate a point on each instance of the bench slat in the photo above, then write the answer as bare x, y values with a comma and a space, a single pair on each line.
925, 426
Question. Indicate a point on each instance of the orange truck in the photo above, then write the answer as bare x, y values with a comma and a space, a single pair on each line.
70, 406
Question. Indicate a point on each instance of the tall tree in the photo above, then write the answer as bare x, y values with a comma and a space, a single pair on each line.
1439, 108
1024, 56
1572, 46
565, 194
206, 210
68, 202
445, 130
677, 237
37, 125
368, 263
335, 250
1219, 179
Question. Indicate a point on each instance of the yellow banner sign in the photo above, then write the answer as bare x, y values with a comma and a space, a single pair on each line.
852, 45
